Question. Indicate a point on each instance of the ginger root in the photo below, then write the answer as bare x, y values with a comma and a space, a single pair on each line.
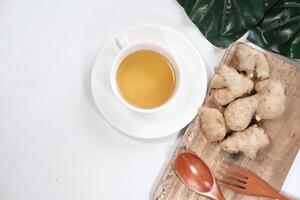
228, 85
268, 103
239, 113
248, 141
250, 61
271, 99
229, 88
212, 124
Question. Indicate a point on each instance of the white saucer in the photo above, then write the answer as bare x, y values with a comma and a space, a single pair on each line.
168, 120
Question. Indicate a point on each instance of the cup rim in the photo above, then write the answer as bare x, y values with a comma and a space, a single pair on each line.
137, 46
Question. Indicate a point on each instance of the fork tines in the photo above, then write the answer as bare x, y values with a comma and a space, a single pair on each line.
233, 177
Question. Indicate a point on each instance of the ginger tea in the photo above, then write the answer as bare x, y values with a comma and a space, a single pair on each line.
146, 79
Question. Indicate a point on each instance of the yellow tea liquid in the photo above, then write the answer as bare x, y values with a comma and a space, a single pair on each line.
146, 79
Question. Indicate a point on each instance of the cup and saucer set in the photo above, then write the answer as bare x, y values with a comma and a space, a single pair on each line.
188, 89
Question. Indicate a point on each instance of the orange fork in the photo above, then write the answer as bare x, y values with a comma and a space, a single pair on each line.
244, 181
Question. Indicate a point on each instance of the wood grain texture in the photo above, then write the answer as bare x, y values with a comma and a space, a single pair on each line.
272, 163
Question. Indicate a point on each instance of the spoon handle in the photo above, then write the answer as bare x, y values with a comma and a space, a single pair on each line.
219, 195
217, 192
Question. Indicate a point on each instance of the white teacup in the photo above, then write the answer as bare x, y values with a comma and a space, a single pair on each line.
126, 48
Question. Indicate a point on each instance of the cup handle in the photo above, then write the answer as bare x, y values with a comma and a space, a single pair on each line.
122, 42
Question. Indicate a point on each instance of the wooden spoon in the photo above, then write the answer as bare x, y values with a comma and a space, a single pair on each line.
195, 174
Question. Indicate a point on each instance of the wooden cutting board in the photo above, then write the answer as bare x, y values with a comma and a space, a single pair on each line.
272, 163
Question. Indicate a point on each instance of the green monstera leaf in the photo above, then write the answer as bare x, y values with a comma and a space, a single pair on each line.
224, 21
280, 29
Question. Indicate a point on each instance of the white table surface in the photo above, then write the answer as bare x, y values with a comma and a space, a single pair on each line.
54, 144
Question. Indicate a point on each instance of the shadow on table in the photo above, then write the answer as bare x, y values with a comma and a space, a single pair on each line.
165, 165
